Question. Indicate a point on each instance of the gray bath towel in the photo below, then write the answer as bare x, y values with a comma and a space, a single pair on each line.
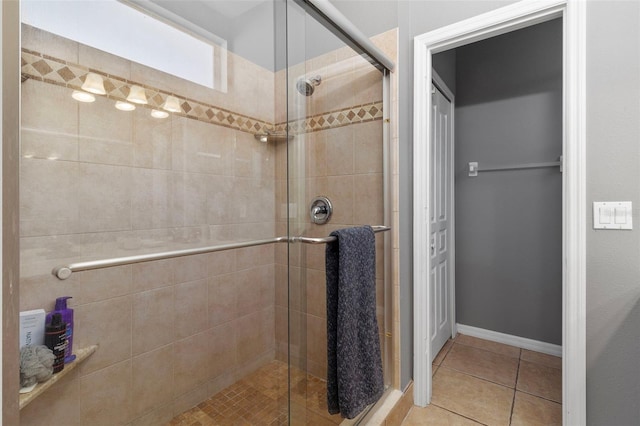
354, 364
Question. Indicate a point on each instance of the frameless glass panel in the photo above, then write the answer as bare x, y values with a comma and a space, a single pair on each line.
334, 118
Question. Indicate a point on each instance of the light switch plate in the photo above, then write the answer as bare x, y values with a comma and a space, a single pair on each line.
612, 215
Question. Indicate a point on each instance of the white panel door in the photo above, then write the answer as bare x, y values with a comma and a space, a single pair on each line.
440, 221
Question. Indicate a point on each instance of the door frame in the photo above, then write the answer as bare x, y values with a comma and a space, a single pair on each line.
500, 21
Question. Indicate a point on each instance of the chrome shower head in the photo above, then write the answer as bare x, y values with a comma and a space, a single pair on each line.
306, 86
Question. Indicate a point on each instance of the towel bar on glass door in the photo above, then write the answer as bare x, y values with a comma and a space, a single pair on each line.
64, 272
324, 240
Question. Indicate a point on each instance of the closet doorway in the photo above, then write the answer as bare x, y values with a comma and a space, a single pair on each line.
426, 190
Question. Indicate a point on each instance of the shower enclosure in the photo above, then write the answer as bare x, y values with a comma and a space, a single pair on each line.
172, 159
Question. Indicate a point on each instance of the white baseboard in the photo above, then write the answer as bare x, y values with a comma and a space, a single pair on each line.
508, 339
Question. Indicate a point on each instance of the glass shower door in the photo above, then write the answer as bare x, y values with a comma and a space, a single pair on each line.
334, 120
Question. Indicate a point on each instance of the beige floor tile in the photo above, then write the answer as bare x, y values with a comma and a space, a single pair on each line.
540, 358
492, 366
499, 348
540, 380
529, 410
436, 416
434, 368
471, 397
443, 352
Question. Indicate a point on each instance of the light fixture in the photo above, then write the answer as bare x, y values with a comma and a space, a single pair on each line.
125, 106
172, 104
93, 83
155, 113
137, 95
81, 96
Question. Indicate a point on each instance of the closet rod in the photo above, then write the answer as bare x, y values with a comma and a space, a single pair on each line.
474, 168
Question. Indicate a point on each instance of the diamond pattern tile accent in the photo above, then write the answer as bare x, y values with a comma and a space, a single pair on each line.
56, 71
42, 67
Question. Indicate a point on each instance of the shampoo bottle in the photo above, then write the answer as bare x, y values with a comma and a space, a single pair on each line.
55, 339
67, 318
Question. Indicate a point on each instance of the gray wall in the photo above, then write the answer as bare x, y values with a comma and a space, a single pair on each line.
613, 173
509, 223
444, 63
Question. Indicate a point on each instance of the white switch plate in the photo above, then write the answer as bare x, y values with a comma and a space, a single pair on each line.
612, 215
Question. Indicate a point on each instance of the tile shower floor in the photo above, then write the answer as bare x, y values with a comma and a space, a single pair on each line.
261, 399
476, 381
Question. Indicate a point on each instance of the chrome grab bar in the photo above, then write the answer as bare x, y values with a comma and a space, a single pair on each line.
64, 272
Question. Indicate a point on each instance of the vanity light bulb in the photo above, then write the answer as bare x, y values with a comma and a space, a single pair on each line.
125, 106
159, 114
81, 96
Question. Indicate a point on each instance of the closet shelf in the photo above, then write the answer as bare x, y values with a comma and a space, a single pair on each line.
81, 355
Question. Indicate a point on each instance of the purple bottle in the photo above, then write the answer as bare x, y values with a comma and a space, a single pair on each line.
67, 318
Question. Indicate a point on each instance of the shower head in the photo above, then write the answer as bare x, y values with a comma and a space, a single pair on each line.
272, 136
306, 86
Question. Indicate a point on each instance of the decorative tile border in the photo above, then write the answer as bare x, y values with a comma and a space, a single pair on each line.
56, 71
333, 119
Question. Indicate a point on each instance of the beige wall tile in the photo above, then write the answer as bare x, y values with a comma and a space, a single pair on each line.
368, 205
223, 348
104, 197
190, 268
152, 377
48, 197
49, 107
151, 140
255, 289
107, 324
367, 82
161, 415
316, 293
368, 147
340, 191
339, 151
56, 407
191, 399
150, 275
316, 339
151, 198
100, 285
43, 145
253, 256
42, 41
221, 262
222, 299
103, 61
105, 133
105, 395
255, 334
191, 305
154, 320
191, 364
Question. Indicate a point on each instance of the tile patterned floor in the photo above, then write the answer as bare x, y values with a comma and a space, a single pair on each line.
476, 381
261, 399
